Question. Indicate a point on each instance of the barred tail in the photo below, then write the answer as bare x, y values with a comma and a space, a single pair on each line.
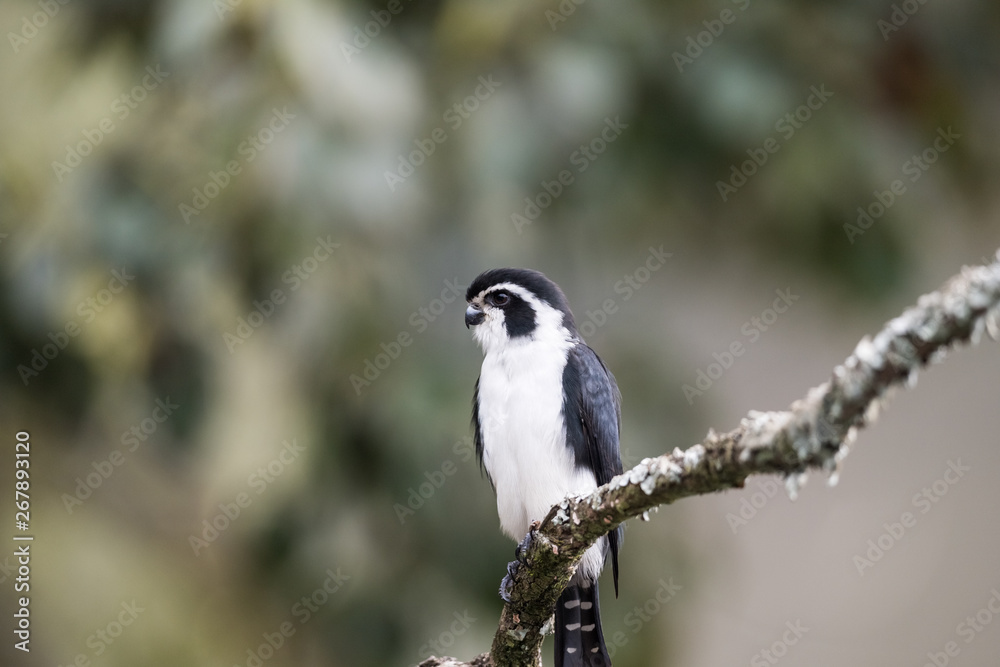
579, 638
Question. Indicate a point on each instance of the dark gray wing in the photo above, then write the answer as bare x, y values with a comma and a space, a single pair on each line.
592, 409
478, 435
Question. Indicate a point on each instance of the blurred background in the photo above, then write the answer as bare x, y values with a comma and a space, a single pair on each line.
234, 242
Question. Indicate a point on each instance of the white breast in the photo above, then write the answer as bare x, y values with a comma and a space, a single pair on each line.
524, 441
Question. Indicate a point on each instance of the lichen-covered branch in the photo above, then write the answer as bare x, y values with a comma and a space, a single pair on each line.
814, 433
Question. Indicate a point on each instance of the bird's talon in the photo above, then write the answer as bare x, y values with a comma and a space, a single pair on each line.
506, 586
521, 551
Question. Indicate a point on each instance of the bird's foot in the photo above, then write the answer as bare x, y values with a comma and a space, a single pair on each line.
521, 550
508, 581
521, 556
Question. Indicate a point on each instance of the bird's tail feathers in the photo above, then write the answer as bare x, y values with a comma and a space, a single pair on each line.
578, 634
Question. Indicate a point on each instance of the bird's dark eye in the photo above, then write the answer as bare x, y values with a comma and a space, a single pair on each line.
501, 299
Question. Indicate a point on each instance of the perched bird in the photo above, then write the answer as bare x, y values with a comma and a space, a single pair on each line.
546, 415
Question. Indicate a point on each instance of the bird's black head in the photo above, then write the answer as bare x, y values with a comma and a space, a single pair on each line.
509, 304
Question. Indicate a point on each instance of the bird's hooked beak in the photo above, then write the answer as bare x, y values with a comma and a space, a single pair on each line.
473, 316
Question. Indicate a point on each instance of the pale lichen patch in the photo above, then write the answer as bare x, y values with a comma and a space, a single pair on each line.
693, 456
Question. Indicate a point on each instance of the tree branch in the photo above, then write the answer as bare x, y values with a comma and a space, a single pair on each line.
814, 433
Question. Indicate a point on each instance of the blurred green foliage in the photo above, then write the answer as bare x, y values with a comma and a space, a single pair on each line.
80, 200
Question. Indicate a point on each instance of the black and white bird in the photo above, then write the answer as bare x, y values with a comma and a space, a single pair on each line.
546, 414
